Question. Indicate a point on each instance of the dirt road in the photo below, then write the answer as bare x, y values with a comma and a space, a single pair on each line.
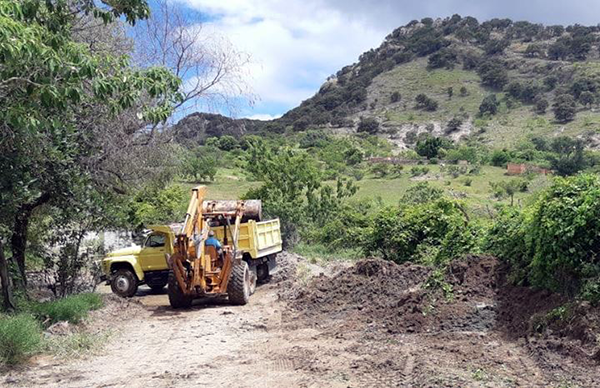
332, 334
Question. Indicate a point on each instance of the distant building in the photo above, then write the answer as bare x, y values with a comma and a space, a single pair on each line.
522, 168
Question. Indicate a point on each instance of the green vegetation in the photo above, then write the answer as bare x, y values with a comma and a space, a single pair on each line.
72, 309
20, 337
21, 333
551, 243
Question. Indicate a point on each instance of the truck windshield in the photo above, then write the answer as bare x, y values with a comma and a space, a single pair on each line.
155, 241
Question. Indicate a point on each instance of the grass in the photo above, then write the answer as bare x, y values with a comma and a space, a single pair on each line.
76, 344
20, 337
21, 334
316, 253
72, 309
477, 195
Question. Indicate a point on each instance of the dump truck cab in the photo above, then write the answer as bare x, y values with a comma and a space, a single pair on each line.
128, 268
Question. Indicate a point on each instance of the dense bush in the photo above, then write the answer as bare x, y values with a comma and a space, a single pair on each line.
554, 243
20, 337
369, 125
564, 108
430, 146
489, 105
432, 232
445, 58
493, 73
426, 103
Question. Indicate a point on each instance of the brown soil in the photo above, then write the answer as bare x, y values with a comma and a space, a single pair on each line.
374, 324
485, 329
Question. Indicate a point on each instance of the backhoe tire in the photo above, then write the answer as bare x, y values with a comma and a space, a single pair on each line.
124, 283
238, 288
177, 298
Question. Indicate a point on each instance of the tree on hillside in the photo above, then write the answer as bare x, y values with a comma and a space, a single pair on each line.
541, 104
395, 97
445, 58
587, 98
493, 73
430, 146
564, 108
293, 188
567, 157
426, 103
369, 125
489, 105
496, 46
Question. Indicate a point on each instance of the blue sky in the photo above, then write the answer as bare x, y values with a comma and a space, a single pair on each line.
295, 44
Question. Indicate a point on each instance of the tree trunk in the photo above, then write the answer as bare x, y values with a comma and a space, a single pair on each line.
18, 240
7, 299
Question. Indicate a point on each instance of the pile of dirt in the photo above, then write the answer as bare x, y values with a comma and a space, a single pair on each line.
116, 310
381, 298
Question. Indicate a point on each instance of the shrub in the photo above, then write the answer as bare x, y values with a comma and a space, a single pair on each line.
489, 105
454, 124
431, 232
369, 125
20, 337
418, 171
553, 243
564, 108
395, 97
493, 73
426, 103
587, 98
430, 146
463, 91
72, 308
444, 58
420, 193
227, 143
313, 138
541, 104
500, 158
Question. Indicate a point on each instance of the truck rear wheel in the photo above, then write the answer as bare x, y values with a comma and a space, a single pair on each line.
177, 298
262, 273
124, 283
239, 284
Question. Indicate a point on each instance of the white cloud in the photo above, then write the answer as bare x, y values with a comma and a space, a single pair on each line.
294, 45
263, 117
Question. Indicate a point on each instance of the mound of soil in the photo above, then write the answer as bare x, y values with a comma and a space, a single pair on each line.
380, 298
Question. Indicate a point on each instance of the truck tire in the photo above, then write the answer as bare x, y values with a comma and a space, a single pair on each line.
239, 284
157, 287
177, 298
253, 279
124, 283
262, 273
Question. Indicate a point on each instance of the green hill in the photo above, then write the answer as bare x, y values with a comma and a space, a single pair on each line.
525, 65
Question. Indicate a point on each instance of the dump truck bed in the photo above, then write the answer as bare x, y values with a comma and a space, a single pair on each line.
258, 239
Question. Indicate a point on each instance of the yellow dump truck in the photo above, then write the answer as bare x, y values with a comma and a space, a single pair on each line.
126, 269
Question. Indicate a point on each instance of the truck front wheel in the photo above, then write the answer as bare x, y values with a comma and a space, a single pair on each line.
124, 283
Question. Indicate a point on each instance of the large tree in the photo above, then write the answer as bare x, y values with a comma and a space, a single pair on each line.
59, 99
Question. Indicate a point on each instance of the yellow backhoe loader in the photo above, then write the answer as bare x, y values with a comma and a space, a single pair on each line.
248, 250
